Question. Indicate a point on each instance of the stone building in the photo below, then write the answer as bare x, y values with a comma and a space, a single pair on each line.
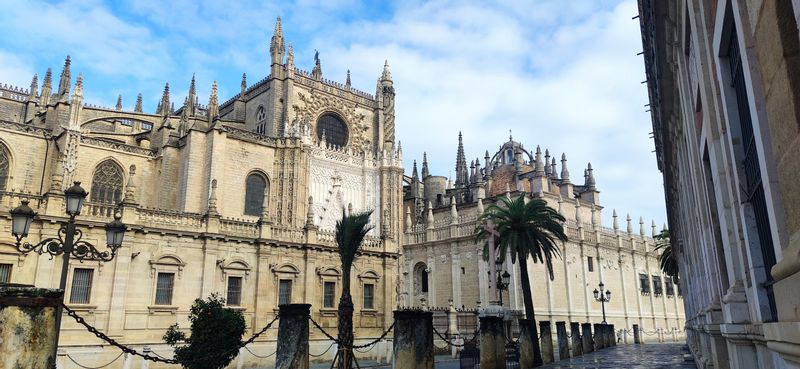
442, 260
724, 81
237, 197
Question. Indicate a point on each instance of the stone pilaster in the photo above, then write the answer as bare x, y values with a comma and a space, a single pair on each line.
491, 327
413, 339
586, 338
546, 332
577, 345
599, 342
526, 343
563, 340
32, 314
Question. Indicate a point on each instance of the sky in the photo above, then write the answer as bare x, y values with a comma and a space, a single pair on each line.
562, 74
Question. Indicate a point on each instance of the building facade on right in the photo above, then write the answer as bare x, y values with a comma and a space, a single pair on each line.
724, 83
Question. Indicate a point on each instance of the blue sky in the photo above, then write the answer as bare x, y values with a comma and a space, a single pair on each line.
561, 74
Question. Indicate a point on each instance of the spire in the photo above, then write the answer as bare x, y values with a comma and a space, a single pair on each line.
46, 87
429, 217
641, 226
34, 87
212, 199
630, 226
78, 91
453, 210
130, 188
590, 183
138, 107
290, 57
213, 103
653, 227
547, 162
165, 105
64, 82
461, 164
243, 86
564, 170
276, 47
119, 102
386, 76
539, 168
616, 222
191, 98
310, 212
560, 204
317, 71
578, 211
414, 175
480, 206
347, 81
425, 172
408, 218
553, 170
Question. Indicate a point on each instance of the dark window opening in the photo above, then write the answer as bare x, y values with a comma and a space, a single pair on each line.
333, 129
590, 263
81, 286
328, 294
234, 291
644, 283
657, 286
424, 281
254, 194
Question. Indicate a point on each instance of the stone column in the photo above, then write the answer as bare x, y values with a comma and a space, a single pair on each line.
577, 345
547, 342
491, 329
599, 341
32, 314
636, 338
525, 344
563, 341
586, 337
293, 336
612, 334
413, 339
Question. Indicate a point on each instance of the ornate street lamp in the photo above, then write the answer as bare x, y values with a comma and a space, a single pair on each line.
602, 298
68, 242
502, 284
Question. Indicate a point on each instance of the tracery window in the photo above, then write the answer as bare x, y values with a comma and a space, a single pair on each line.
421, 278
261, 121
256, 187
106, 190
5, 166
333, 128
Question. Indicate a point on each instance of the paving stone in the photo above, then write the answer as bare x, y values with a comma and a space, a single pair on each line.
630, 357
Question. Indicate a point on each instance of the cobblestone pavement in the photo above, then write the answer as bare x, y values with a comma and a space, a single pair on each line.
651, 356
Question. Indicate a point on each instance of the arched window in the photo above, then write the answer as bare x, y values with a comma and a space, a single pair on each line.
256, 187
509, 156
106, 190
5, 166
261, 121
421, 279
333, 128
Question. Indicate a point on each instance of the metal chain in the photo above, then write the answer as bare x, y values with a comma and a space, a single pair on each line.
324, 352
260, 357
157, 358
319, 327
94, 367
455, 344
377, 340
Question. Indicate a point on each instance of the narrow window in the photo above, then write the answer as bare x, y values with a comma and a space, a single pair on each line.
644, 283
590, 263
668, 285
81, 286
5, 165
164, 285
5, 273
369, 296
254, 194
234, 291
463, 271
678, 287
261, 118
328, 294
424, 281
657, 286
285, 292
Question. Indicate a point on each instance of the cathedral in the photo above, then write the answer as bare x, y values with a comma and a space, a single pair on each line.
443, 262
238, 197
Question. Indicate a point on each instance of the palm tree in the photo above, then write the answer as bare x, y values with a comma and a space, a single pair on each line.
667, 261
531, 229
350, 231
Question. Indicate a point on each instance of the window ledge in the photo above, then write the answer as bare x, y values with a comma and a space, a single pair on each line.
82, 307
162, 309
328, 311
236, 307
369, 311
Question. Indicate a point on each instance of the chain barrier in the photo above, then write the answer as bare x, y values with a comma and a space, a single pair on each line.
355, 347
377, 340
319, 327
94, 367
157, 358
324, 352
474, 337
258, 356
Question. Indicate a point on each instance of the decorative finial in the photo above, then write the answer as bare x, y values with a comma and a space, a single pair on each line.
138, 107
119, 102
213, 103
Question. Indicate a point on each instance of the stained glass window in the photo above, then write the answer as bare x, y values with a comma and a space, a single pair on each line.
261, 121
256, 187
106, 188
333, 128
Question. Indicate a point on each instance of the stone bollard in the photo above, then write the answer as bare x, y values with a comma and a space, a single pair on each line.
577, 345
293, 336
612, 334
660, 335
586, 338
452, 327
563, 340
146, 363
413, 339
547, 342
598, 337
491, 329
674, 334
636, 338
126, 361
32, 314
525, 344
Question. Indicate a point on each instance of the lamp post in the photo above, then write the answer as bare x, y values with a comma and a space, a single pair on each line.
602, 297
69, 240
502, 284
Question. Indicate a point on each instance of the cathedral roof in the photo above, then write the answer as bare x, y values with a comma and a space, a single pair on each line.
503, 177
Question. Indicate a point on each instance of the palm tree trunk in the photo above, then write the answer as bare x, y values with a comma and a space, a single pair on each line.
527, 297
345, 332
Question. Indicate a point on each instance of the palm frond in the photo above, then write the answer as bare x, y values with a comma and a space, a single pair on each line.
350, 232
